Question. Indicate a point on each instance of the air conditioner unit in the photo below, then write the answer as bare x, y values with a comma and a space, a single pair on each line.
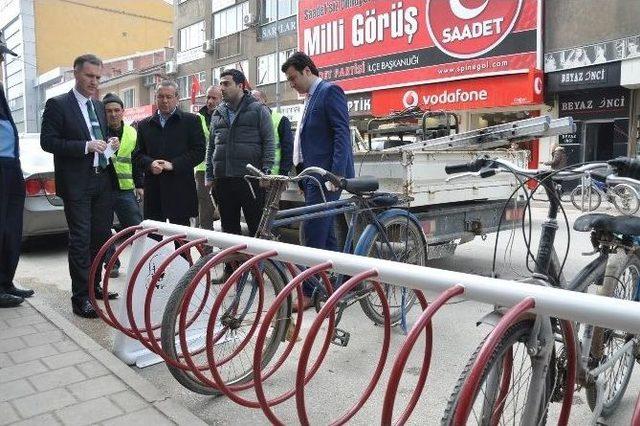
208, 46
249, 20
171, 67
149, 80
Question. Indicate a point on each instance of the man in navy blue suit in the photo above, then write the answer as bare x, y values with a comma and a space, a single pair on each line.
322, 139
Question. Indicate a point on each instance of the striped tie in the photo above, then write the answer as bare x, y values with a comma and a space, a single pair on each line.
97, 132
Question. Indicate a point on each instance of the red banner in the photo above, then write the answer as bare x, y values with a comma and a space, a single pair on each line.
366, 45
490, 92
138, 113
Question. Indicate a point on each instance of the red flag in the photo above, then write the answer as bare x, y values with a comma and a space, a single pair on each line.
195, 88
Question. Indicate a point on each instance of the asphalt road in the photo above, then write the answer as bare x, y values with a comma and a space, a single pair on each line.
346, 371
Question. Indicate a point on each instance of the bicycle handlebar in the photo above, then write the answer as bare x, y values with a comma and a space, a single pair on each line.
306, 173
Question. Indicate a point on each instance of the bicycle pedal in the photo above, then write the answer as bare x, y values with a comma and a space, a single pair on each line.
340, 337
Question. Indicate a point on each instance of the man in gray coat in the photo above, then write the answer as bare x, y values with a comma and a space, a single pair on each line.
241, 134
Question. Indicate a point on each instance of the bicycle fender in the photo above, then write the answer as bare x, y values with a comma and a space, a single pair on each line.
493, 318
370, 231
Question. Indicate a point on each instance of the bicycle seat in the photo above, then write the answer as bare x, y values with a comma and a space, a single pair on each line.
624, 225
360, 184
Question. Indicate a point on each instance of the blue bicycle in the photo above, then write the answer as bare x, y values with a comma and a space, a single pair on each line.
377, 227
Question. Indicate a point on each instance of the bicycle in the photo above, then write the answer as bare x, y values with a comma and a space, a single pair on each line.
389, 233
528, 367
618, 191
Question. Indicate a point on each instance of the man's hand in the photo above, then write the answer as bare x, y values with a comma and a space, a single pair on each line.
166, 165
156, 167
209, 184
139, 192
330, 187
97, 146
115, 143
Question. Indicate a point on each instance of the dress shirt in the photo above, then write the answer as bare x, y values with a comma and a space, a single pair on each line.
297, 152
163, 120
82, 103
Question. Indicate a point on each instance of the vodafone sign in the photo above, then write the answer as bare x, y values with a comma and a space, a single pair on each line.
470, 28
375, 44
490, 92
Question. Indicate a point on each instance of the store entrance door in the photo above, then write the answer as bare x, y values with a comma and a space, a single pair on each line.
598, 141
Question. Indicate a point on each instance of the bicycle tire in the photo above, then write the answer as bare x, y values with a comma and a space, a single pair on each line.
625, 199
604, 341
516, 333
171, 317
416, 248
576, 199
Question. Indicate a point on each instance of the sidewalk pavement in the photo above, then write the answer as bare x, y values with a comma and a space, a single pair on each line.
53, 373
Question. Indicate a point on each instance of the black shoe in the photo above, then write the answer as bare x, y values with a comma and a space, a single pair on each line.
9, 300
15, 291
84, 309
100, 295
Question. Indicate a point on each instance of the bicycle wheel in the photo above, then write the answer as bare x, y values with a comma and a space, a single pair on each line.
625, 199
234, 354
592, 198
504, 382
405, 244
622, 285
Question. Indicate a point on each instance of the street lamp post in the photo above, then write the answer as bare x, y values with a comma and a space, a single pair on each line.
277, 61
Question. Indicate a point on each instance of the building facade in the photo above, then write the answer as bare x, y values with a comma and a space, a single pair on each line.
592, 66
49, 34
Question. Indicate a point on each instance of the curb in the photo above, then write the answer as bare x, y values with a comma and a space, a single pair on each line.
164, 403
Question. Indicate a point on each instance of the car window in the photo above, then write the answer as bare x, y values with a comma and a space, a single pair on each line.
32, 158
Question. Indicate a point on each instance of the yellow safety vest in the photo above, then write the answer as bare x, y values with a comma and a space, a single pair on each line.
202, 166
276, 117
122, 161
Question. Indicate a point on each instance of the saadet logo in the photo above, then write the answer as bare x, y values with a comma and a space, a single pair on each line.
470, 28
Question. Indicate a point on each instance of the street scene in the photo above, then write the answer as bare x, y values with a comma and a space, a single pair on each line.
319, 212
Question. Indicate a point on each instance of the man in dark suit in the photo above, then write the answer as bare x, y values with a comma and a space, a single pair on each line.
322, 139
73, 130
11, 201
170, 144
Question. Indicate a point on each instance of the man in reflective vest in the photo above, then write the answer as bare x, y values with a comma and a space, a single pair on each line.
129, 193
207, 210
283, 158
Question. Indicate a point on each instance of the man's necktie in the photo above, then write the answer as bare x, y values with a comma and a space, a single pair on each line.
97, 132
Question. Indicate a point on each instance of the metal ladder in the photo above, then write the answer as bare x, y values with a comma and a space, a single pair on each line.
495, 136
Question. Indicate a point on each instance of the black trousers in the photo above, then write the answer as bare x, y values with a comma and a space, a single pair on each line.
233, 194
12, 194
89, 218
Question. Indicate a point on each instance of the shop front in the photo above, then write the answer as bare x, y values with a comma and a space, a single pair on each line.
600, 107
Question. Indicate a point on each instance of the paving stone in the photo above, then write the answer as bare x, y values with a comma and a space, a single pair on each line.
19, 371
144, 417
34, 352
128, 401
88, 412
62, 360
5, 361
8, 345
43, 402
57, 378
45, 327
43, 420
94, 388
16, 332
9, 313
26, 320
65, 346
8, 414
92, 369
15, 389
38, 339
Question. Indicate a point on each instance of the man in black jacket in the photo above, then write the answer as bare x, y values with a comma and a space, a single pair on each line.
74, 130
12, 195
241, 134
170, 144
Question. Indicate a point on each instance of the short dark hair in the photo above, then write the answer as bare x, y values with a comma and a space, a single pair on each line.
89, 57
299, 61
237, 75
